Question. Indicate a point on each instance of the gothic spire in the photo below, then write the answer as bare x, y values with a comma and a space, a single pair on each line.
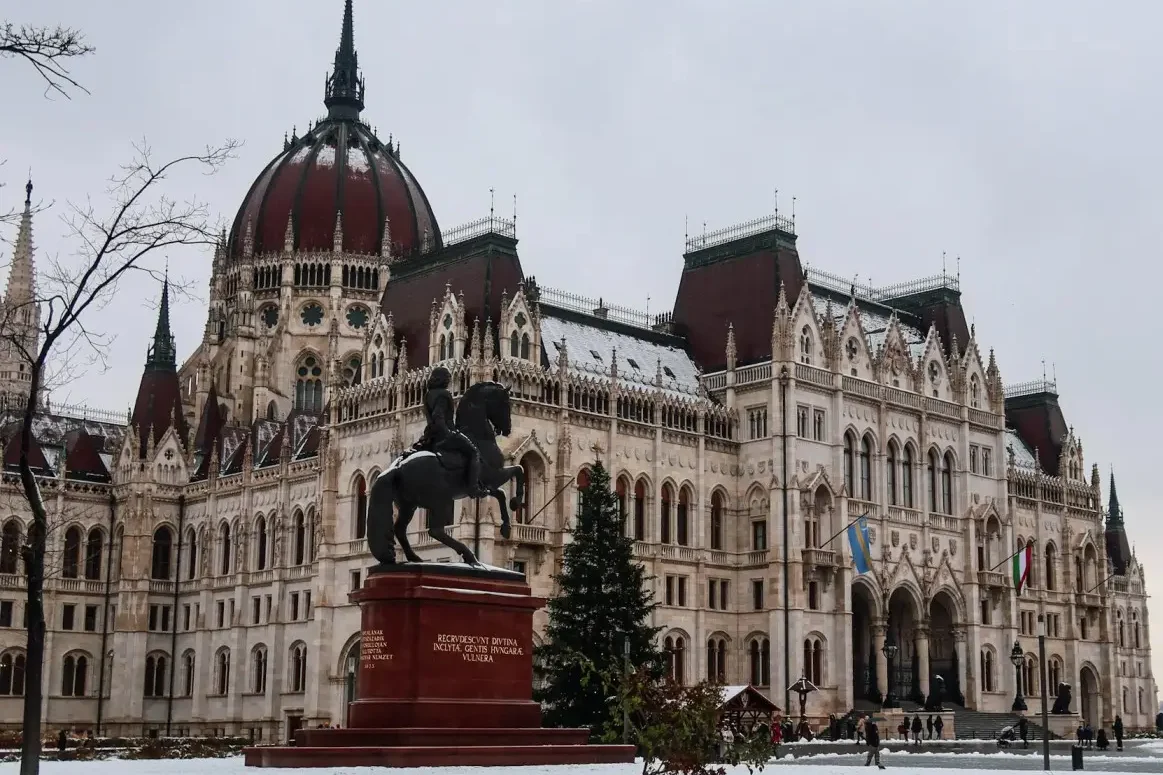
162, 353
343, 95
21, 278
1116, 513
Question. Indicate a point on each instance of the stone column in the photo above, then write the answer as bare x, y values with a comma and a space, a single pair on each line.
878, 632
963, 667
921, 635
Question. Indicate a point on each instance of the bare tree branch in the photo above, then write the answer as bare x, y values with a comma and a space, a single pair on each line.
143, 221
48, 50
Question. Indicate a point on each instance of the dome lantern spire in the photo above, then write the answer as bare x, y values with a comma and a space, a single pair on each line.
344, 93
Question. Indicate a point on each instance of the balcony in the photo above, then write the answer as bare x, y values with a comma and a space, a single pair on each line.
11, 581
819, 558
756, 557
537, 535
159, 587
1088, 599
991, 579
904, 516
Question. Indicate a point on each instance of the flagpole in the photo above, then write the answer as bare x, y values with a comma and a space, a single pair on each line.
842, 530
1099, 584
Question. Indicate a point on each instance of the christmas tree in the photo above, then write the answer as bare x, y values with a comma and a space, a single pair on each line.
602, 601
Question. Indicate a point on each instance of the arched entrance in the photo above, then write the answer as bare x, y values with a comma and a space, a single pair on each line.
864, 684
1089, 700
943, 660
903, 613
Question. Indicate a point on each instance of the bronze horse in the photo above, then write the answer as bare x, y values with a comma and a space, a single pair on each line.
435, 480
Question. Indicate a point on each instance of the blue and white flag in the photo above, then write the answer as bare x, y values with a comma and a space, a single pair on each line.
859, 541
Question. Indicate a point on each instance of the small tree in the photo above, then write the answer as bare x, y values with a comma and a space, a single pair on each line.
679, 730
602, 601
142, 222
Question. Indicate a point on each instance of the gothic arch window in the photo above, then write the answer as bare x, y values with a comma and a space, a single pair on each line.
260, 541
664, 513
1121, 628
11, 539
987, 671
71, 562
360, 507
258, 670
309, 385
682, 517
850, 465
814, 653
155, 675
947, 484
222, 672
811, 528
74, 675
974, 392
1029, 674
674, 650
1051, 566
806, 345
934, 482
12, 665
759, 651
717, 660
621, 492
444, 348
1055, 673
188, 674
907, 479
514, 345
866, 468
891, 470
272, 411
299, 538
583, 481
224, 550
640, 510
352, 371
298, 666
192, 557
94, 549
525, 346
717, 520
162, 556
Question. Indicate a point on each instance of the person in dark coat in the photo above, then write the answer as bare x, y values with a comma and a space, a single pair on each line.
1024, 731
62, 740
1102, 743
929, 725
1118, 728
872, 736
917, 727
939, 726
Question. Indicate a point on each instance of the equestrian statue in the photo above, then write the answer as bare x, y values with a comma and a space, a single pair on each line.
456, 457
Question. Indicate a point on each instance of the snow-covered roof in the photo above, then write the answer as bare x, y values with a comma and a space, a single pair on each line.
1023, 455
874, 321
591, 348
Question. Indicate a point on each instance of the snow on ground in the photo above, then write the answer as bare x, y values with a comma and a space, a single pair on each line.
813, 765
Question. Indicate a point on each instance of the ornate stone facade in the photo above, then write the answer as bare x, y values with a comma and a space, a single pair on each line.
231, 508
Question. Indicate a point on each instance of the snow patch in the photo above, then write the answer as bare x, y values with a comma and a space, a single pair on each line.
325, 157
357, 162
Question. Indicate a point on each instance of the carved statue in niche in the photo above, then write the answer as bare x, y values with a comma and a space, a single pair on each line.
912, 541
207, 550
277, 543
896, 538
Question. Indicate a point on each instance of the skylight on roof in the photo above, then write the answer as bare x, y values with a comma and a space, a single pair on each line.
666, 370
633, 363
597, 356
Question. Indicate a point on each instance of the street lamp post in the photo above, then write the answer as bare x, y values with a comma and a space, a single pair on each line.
889, 649
625, 678
1018, 658
1042, 683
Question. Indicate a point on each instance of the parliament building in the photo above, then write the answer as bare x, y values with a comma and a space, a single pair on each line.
203, 548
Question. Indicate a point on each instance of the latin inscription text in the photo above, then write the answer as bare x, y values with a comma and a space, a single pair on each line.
477, 648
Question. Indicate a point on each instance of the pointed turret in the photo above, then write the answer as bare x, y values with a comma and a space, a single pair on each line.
21, 313
159, 397
344, 92
1118, 549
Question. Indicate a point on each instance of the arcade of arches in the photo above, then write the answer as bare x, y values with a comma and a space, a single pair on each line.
929, 640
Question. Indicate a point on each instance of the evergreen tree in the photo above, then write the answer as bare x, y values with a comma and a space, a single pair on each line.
602, 600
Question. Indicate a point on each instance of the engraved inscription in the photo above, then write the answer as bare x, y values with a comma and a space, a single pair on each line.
477, 648
373, 649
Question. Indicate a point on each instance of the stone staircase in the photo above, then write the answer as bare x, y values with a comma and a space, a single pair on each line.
979, 725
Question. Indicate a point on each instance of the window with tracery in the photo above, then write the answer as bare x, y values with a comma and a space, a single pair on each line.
309, 385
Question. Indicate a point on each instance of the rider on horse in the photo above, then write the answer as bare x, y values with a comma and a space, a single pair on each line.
441, 434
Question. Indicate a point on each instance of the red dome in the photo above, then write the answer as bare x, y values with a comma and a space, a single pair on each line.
339, 167
312, 180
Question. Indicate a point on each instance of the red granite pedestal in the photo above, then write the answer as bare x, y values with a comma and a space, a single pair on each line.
445, 678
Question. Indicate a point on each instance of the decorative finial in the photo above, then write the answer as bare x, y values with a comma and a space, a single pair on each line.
28, 191
344, 91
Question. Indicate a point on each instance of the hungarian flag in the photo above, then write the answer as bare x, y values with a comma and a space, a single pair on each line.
1022, 562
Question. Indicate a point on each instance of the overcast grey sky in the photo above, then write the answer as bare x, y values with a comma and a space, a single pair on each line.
1022, 137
